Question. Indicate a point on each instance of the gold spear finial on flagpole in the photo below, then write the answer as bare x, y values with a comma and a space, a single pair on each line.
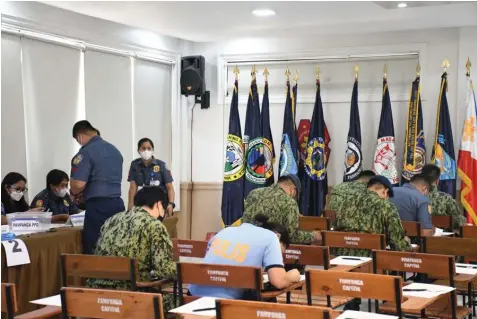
318, 71
236, 72
265, 74
467, 67
445, 65
253, 73
418, 69
296, 76
385, 71
287, 73
356, 71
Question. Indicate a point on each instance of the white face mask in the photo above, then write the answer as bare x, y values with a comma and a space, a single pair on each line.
62, 192
16, 196
146, 155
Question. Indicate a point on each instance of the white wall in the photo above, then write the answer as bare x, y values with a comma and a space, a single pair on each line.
433, 45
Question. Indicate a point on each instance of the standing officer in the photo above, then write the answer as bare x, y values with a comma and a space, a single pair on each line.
413, 204
96, 173
150, 171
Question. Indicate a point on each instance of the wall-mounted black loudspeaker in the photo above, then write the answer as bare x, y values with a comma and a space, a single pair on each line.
193, 80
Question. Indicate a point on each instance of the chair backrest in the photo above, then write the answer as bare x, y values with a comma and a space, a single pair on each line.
102, 267
334, 239
224, 276
309, 223
468, 231
352, 284
209, 236
307, 255
412, 229
189, 248
454, 246
105, 304
234, 309
9, 300
444, 222
331, 214
441, 266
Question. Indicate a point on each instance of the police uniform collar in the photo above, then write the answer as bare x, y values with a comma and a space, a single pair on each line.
409, 185
154, 161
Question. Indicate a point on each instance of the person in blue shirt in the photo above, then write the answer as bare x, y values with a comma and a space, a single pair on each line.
96, 173
55, 198
413, 204
259, 244
150, 171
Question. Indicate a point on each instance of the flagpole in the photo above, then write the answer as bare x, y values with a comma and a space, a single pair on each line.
287, 73
318, 71
265, 74
236, 72
467, 67
418, 69
253, 73
356, 72
385, 71
296, 77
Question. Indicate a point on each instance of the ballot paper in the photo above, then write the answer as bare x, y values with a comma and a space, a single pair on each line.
465, 269
202, 303
440, 232
48, 301
349, 260
431, 291
351, 314
265, 278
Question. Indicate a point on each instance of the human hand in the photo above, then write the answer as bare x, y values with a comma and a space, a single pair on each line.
169, 211
293, 275
36, 209
316, 236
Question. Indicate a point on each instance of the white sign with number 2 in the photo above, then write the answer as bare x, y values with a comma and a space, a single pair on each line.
16, 252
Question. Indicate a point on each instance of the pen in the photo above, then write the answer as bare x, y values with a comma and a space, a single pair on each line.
203, 309
414, 289
349, 258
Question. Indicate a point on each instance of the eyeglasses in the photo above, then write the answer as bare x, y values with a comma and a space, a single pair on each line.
19, 189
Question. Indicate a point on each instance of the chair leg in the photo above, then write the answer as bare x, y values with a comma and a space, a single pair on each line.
289, 297
369, 305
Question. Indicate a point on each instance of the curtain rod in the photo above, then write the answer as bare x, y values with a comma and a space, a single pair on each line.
363, 57
78, 44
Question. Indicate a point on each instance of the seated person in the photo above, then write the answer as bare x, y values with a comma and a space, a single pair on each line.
342, 193
261, 244
279, 203
13, 193
442, 203
413, 204
55, 198
4, 216
139, 233
373, 213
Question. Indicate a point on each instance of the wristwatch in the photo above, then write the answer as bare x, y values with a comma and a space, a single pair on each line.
173, 205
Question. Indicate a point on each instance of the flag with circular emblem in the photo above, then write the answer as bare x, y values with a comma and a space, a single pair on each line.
353, 163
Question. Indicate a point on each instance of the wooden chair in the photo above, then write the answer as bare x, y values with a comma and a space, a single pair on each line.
468, 231
331, 214
238, 309
209, 236
436, 266
309, 223
224, 276
306, 255
10, 306
104, 267
189, 248
366, 241
444, 222
106, 304
413, 230
356, 285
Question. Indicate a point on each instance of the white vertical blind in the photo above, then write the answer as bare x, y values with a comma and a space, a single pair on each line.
51, 89
108, 90
13, 125
152, 106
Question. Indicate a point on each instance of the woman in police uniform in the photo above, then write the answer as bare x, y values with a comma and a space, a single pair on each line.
150, 171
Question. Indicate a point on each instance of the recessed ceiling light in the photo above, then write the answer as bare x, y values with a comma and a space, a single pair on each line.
402, 5
263, 12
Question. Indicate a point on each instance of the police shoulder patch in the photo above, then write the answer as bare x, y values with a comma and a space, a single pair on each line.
66, 203
429, 207
78, 158
39, 203
156, 168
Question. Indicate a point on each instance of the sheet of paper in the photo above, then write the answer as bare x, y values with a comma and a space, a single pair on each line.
414, 246
16, 252
349, 260
202, 303
466, 269
351, 314
447, 233
48, 301
265, 278
431, 291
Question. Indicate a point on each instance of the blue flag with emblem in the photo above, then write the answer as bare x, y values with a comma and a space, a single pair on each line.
353, 155
443, 151
253, 143
289, 147
414, 147
268, 148
384, 162
232, 193
315, 181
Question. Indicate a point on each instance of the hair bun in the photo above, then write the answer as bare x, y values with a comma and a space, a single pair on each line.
261, 219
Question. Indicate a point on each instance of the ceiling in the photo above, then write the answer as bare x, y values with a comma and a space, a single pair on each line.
203, 21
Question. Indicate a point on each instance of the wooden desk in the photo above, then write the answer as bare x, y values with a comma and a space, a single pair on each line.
274, 294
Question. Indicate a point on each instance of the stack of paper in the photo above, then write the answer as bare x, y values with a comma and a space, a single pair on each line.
425, 290
349, 260
199, 304
466, 269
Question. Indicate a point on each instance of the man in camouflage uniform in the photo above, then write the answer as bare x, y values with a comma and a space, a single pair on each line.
373, 213
442, 203
279, 203
139, 233
344, 192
